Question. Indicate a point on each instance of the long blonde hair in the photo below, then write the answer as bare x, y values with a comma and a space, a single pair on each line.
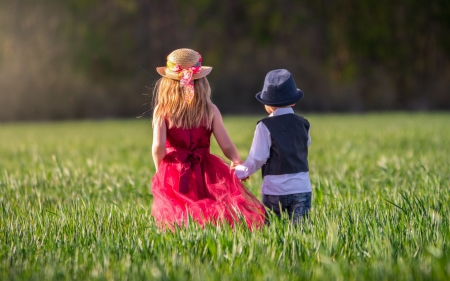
170, 105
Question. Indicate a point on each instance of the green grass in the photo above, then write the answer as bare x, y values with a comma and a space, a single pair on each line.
75, 204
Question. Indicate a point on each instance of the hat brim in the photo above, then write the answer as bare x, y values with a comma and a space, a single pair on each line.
280, 103
205, 70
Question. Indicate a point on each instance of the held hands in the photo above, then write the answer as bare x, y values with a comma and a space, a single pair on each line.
234, 164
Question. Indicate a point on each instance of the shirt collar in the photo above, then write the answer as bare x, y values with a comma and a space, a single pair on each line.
282, 111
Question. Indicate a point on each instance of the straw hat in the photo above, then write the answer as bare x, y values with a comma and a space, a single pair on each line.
185, 58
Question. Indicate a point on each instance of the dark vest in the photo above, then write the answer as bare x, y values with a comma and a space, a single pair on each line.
289, 150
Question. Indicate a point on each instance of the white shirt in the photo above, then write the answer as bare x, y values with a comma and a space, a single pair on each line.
260, 152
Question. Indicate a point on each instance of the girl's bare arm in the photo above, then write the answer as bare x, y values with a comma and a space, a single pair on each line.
159, 143
223, 139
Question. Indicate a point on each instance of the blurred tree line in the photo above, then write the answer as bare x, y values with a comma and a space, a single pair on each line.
96, 58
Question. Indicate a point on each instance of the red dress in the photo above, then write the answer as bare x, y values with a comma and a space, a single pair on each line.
191, 181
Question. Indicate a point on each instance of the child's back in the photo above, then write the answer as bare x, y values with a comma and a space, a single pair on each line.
190, 181
280, 149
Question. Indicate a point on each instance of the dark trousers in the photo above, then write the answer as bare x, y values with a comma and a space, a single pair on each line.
296, 205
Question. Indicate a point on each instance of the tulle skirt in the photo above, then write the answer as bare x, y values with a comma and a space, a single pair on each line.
210, 193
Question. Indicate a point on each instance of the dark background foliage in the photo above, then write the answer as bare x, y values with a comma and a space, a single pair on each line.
96, 58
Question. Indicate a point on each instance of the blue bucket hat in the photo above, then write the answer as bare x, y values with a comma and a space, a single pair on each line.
279, 89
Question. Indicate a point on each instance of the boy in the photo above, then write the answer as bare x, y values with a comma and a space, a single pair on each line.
280, 149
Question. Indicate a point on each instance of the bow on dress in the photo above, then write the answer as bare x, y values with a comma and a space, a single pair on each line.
190, 164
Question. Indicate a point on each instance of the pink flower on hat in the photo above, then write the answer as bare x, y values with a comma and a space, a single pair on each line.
185, 75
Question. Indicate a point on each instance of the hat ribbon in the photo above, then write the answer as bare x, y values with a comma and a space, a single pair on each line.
185, 76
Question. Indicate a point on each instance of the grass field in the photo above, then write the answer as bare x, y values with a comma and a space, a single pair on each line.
75, 205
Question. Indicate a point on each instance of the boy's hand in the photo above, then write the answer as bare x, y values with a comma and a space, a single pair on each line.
245, 179
233, 166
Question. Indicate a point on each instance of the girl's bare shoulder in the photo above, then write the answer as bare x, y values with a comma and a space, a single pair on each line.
216, 110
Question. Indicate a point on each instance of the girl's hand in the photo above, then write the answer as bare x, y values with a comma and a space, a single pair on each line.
234, 164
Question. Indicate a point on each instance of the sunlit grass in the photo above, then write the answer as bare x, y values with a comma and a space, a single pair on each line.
75, 204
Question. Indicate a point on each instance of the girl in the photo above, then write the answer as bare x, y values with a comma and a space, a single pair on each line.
189, 181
